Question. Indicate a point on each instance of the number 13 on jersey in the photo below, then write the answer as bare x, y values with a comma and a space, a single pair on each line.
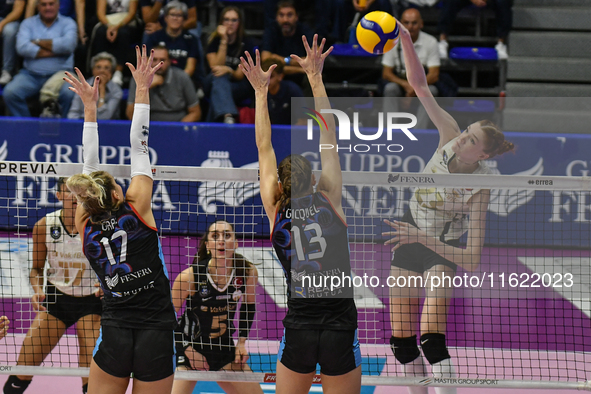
316, 244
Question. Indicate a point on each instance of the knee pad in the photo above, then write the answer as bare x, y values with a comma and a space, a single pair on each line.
434, 348
405, 349
15, 386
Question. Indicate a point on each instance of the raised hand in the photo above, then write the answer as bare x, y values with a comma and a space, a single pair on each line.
88, 94
37, 302
258, 78
313, 63
241, 355
143, 72
404, 234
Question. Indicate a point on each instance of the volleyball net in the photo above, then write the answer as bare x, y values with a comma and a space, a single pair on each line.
520, 319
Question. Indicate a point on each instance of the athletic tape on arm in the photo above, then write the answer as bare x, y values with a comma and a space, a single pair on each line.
138, 136
90, 145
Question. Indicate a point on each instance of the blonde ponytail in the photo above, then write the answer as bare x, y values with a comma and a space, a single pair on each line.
93, 191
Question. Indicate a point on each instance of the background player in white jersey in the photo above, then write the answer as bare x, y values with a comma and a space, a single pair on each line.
70, 296
320, 330
212, 287
426, 239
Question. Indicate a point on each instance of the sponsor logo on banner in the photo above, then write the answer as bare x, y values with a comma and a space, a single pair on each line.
344, 130
504, 201
410, 179
230, 193
28, 168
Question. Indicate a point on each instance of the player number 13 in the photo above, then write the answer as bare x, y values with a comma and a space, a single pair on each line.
315, 239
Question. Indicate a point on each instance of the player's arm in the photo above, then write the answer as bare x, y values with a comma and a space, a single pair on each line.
247, 313
331, 180
90, 140
447, 126
468, 258
267, 159
139, 193
182, 288
39, 256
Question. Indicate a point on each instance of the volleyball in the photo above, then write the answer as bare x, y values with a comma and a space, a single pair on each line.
377, 32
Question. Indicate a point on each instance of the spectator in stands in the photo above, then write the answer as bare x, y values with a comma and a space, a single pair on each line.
182, 47
10, 16
172, 95
47, 42
75, 9
152, 10
504, 18
225, 84
110, 94
116, 31
315, 14
280, 94
285, 38
394, 70
349, 12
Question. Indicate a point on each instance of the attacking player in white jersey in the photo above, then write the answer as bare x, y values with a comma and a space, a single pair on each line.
427, 238
71, 294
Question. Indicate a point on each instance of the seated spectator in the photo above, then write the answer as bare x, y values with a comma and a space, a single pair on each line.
172, 95
182, 47
504, 19
115, 34
280, 94
315, 14
285, 38
225, 84
394, 69
347, 10
46, 42
75, 9
10, 15
152, 12
103, 66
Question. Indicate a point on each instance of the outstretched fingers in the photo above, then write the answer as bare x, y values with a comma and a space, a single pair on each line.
306, 45
328, 51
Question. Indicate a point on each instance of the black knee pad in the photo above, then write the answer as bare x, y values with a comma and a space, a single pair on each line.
434, 348
15, 386
405, 349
